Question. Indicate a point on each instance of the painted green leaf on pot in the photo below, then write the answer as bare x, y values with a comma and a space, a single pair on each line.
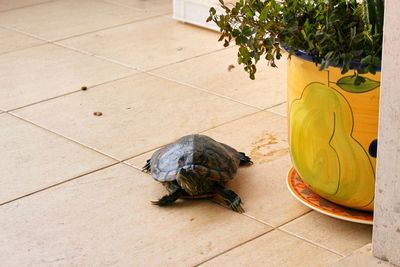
350, 85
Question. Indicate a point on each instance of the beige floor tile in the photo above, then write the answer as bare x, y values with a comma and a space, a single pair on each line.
106, 218
11, 40
265, 195
140, 113
262, 186
46, 71
281, 109
340, 236
32, 158
10, 4
275, 249
219, 72
361, 257
154, 6
148, 44
61, 19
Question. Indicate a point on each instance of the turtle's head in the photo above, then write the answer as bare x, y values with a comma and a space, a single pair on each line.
187, 180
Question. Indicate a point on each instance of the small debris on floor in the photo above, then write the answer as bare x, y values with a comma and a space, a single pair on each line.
179, 48
230, 67
84, 88
98, 113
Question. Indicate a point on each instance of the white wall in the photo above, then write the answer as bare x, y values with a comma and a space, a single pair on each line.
386, 233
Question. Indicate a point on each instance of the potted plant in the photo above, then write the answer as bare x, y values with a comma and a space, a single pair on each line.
334, 47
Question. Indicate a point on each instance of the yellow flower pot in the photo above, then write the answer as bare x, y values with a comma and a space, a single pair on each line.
333, 127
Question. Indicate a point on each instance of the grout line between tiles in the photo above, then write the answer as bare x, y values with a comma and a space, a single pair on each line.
140, 154
254, 238
274, 106
87, 53
92, 87
131, 7
127, 164
230, 121
31, 5
22, 48
183, 60
59, 183
80, 51
117, 62
25, 33
121, 5
186, 59
311, 242
287, 222
58, 134
80, 34
258, 220
147, 71
109, 27
232, 248
204, 90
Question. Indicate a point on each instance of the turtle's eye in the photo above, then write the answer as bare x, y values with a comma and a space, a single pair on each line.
181, 161
183, 172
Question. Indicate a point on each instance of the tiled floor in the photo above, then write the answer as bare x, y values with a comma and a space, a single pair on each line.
72, 193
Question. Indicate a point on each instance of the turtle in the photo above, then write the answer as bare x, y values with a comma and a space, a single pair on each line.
196, 166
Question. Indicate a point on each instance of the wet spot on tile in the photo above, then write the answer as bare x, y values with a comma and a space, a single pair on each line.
263, 152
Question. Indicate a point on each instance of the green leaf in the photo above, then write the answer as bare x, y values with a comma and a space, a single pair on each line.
226, 43
212, 11
241, 39
357, 84
264, 13
235, 33
247, 31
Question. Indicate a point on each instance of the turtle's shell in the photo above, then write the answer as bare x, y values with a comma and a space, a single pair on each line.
211, 159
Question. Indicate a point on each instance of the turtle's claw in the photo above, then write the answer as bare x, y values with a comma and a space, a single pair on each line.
155, 203
146, 168
238, 208
236, 205
169, 199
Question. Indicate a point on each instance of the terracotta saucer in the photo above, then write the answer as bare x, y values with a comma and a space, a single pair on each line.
303, 194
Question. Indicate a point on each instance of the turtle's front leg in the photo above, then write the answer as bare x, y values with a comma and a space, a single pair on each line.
231, 198
169, 199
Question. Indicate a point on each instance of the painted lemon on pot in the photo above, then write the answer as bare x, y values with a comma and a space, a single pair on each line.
332, 127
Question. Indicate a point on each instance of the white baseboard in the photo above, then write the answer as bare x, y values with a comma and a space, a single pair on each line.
195, 12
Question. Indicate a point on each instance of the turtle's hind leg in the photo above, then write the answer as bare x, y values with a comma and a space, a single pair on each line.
244, 160
169, 199
230, 197
147, 167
